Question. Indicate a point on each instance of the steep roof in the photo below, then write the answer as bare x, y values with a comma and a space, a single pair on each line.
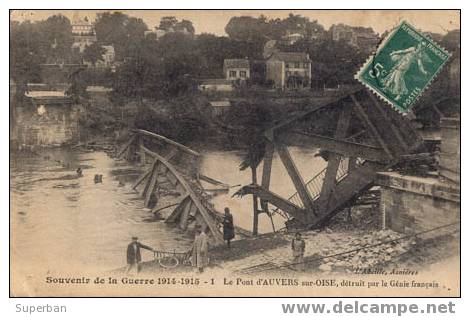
236, 63
291, 57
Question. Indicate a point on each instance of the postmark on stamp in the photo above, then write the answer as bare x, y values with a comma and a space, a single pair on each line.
403, 67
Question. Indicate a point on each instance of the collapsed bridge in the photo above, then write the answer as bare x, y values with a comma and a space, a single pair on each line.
357, 135
173, 165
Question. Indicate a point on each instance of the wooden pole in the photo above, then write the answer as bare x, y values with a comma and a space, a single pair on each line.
267, 166
254, 180
329, 182
141, 151
295, 176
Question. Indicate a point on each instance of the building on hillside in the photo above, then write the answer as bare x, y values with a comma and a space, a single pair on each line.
289, 70
48, 119
109, 56
159, 33
236, 69
291, 37
360, 37
99, 97
270, 48
220, 107
83, 32
216, 84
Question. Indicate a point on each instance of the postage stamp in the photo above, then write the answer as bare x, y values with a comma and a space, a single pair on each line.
403, 67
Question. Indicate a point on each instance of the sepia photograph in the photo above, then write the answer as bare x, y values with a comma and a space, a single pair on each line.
234, 153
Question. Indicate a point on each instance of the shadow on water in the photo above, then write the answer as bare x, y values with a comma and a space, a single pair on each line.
66, 186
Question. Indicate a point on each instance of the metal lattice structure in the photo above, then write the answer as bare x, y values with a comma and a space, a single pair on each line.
360, 137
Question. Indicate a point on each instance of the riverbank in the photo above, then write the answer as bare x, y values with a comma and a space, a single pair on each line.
345, 247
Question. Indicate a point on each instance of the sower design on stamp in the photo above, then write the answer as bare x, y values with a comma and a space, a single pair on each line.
403, 67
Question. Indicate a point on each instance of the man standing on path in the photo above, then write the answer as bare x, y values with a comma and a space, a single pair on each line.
200, 250
298, 250
133, 254
229, 231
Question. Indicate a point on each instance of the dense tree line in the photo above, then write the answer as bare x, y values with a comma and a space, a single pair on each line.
261, 29
171, 65
35, 43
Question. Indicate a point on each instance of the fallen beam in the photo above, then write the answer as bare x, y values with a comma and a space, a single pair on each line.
212, 181
182, 182
142, 178
295, 176
274, 200
342, 147
152, 184
329, 180
166, 140
125, 146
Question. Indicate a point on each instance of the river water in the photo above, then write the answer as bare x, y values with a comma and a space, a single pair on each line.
61, 221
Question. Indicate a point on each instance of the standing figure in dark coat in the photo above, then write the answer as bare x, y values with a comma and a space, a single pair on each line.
133, 254
229, 231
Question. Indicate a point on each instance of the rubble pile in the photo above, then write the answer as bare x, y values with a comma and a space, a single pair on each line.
366, 256
362, 218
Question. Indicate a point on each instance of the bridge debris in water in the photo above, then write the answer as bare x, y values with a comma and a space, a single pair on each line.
174, 168
367, 139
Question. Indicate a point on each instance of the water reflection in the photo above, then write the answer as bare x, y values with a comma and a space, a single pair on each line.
59, 220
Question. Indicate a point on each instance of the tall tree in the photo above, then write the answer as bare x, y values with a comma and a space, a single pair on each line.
28, 49
57, 32
247, 28
94, 53
160, 69
167, 23
119, 30
187, 25
212, 51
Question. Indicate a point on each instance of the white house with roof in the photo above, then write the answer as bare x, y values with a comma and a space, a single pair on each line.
236, 69
83, 32
289, 70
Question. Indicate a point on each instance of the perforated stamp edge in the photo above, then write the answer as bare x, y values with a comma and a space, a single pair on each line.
371, 57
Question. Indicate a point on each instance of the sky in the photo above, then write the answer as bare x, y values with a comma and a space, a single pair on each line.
214, 21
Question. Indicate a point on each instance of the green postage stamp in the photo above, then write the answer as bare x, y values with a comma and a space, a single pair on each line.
403, 66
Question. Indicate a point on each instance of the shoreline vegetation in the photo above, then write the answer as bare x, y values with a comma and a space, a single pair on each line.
153, 83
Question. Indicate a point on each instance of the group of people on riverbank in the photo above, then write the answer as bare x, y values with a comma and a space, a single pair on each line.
199, 251
200, 248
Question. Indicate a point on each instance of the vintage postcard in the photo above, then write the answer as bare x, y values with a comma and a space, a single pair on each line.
231, 153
